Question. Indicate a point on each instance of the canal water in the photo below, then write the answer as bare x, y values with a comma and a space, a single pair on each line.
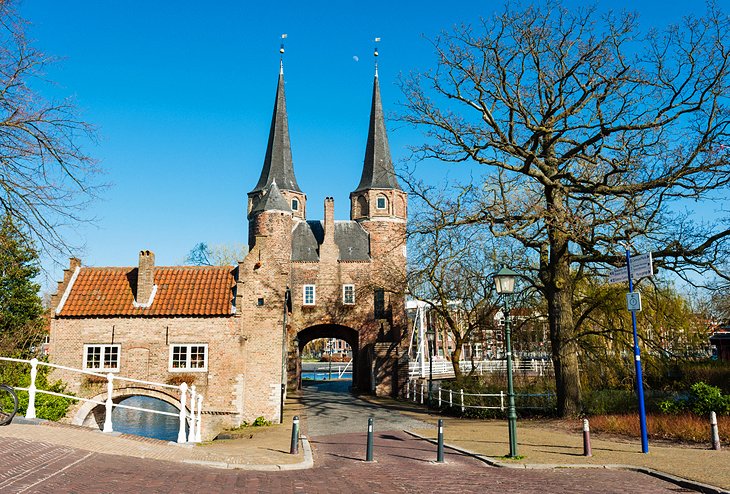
146, 424
325, 375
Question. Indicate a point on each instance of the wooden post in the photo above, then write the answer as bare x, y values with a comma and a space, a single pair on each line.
30, 412
181, 437
109, 403
193, 402
198, 432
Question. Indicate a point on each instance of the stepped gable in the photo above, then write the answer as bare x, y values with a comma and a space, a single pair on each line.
180, 291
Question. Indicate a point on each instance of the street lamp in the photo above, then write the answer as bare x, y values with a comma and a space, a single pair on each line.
431, 335
504, 281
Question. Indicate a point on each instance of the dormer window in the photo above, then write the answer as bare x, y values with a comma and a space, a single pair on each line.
381, 202
295, 204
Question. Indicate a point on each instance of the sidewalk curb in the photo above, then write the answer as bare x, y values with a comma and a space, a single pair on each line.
306, 463
679, 481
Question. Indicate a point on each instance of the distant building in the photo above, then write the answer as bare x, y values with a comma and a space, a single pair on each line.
225, 329
720, 339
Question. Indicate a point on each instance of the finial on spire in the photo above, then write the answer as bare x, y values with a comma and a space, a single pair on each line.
281, 56
375, 54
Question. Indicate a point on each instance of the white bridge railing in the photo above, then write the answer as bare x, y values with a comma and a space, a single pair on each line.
340, 370
193, 417
440, 367
417, 390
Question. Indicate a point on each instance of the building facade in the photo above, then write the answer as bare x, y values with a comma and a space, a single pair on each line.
236, 332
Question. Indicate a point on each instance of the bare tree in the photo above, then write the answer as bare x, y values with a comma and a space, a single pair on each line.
450, 269
591, 135
45, 175
218, 255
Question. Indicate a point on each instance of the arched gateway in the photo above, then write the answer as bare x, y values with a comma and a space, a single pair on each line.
231, 330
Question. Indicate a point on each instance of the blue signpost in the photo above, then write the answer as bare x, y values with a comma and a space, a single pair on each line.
634, 304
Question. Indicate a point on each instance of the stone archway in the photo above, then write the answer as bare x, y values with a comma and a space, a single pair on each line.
349, 335
91, 414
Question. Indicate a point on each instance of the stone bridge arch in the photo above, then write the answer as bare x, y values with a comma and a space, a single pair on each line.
340, 332
92, 414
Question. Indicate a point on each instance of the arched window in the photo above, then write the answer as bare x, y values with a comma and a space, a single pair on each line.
362, 207
381, 202
295, 204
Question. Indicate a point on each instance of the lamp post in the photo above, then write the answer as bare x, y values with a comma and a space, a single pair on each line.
504, 281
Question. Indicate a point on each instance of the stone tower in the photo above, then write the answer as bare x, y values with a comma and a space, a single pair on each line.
380, 206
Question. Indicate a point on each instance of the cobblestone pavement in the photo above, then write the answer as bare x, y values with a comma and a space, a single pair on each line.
402, 464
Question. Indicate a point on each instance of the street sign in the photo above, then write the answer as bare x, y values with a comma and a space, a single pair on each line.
633, 301
641, 267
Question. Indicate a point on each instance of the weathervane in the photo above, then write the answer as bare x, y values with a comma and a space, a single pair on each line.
281, 54
377, 40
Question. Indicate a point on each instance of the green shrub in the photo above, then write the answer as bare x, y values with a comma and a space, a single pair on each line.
609, 401
260, 422
701, 400
47, 407
704, 399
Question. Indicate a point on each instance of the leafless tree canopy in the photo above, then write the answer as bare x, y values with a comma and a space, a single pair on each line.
45, 175
591, 134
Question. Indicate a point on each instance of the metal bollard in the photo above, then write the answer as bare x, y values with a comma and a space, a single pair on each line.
294, 449
715, 433
440, 449
369, 453
586, 439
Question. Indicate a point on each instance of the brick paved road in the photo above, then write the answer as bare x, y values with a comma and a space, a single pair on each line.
403, 464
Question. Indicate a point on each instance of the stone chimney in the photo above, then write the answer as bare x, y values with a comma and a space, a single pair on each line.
329, 220
145, 277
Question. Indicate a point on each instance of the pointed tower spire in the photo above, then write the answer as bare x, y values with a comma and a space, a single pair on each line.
377, 172
278, 167
278, 163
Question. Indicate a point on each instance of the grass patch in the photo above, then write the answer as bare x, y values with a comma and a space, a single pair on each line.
515, 458
684, 427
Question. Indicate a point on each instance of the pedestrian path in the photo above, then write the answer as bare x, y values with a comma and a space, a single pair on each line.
336, 422
544, 446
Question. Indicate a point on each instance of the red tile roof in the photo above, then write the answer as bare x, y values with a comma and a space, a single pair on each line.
181, 291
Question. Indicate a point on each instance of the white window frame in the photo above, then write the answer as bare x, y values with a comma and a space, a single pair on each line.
344, 294
305, 300
187, 367
377, 203
295, 204
102, 357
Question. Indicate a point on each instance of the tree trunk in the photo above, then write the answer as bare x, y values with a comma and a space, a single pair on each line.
564, 348
558, 281
455, 358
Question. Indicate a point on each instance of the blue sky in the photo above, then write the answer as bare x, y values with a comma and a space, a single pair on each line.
182, 93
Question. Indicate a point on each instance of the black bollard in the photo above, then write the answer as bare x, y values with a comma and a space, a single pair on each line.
440, 449
586, 439
294, 449
369, 453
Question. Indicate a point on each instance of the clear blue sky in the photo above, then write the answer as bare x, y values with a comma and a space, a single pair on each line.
182, 93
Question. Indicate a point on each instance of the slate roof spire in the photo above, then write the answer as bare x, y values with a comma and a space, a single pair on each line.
377, 171
278, 165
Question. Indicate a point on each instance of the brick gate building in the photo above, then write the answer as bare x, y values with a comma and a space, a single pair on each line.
236, 332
